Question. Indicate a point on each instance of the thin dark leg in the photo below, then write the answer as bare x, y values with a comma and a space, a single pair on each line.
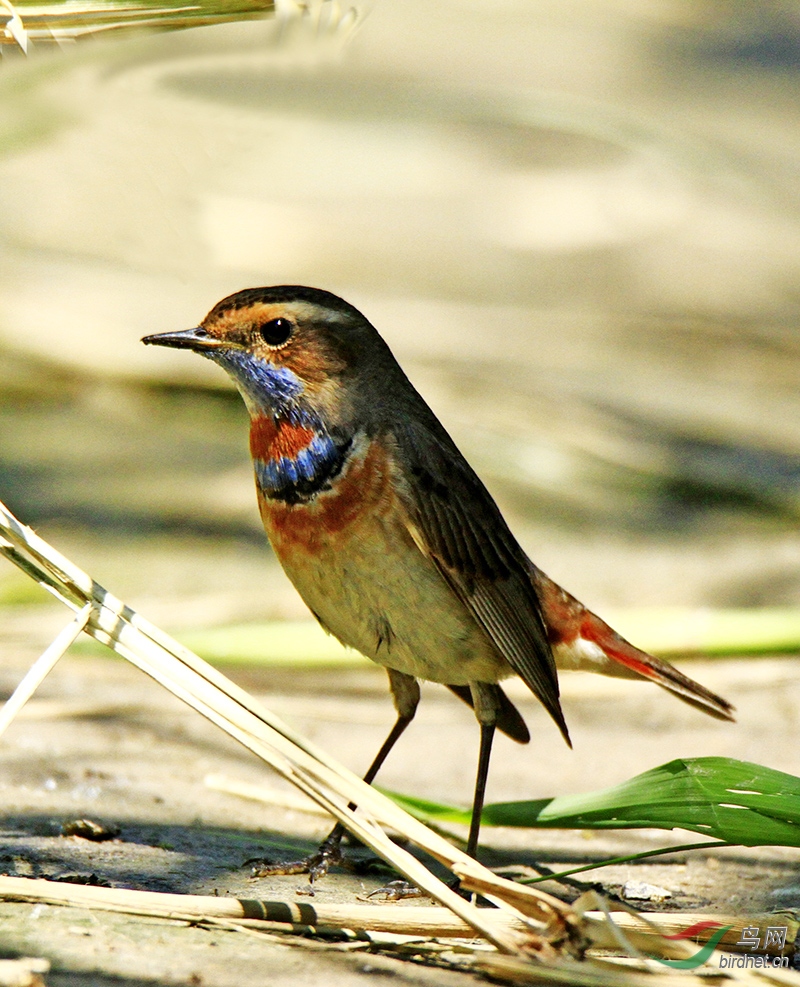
405, 692
330, 846
487, 735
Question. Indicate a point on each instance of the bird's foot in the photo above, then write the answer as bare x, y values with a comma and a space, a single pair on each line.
397, 890
316, 865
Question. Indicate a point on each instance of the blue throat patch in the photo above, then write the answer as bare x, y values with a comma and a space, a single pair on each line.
279, 392
299, 479
274, 388
316, 458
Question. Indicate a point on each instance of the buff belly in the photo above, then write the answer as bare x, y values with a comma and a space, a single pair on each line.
390, 603
368, 583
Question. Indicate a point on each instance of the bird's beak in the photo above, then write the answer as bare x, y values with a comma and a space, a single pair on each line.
188, 339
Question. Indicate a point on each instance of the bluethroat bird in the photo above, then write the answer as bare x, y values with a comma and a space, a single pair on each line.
389, 536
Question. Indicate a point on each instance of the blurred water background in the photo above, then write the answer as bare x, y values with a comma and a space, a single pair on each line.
576, 224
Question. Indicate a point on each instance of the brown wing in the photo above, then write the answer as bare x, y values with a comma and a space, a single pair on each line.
462, 530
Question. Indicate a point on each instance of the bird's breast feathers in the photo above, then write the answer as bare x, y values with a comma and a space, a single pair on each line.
293, 461
351, 554
361, 492
269, 441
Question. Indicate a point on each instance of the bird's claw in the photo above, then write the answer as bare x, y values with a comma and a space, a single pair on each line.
316, 865
328, 855
267, 868
396, 890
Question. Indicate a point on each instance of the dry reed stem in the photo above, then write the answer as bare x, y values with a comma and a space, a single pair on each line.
221, 701
410, 920
529, 923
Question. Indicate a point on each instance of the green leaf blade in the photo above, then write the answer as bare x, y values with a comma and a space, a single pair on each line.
733, 801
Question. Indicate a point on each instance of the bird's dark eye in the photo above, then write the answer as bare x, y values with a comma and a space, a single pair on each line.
276, 331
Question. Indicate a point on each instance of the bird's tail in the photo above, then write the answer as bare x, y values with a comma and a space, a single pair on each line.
581, 640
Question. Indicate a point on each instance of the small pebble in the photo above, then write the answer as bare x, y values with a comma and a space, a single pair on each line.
89, 829
640, 891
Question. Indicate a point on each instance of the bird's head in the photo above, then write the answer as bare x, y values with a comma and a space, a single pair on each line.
292, 351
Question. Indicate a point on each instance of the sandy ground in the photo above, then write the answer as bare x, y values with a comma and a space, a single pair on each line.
103, 741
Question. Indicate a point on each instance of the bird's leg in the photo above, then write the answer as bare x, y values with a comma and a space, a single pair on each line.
405, 693
486, 709
487, 704
487, 735
330, 851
